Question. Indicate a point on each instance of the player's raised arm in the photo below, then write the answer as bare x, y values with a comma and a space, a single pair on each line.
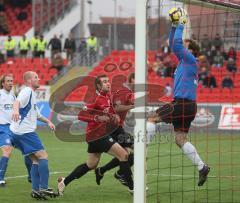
174, 15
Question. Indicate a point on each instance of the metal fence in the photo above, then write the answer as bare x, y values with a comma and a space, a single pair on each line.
47, 12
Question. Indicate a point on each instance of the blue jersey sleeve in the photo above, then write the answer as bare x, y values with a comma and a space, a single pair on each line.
171, 37
179, 50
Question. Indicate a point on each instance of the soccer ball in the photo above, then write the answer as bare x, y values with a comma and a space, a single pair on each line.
176, 13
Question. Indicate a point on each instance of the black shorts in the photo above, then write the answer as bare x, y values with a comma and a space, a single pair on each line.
23, 52
102, 145
183, 114
123, 138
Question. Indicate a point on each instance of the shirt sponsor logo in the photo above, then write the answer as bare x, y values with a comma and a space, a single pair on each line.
8, 107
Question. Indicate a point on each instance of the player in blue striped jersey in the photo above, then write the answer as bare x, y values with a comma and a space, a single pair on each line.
6, 102
24, 123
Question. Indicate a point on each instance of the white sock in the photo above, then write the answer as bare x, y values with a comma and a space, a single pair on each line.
190, 151
151, 131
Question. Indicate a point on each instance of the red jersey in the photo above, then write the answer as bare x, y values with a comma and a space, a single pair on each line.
101, 106
124, 96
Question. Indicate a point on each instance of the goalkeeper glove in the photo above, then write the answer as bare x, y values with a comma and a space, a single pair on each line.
184, 17
183, 20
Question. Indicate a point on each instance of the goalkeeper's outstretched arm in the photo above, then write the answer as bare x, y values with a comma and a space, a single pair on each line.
171, 37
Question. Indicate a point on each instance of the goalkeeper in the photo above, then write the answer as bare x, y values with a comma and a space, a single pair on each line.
181, 112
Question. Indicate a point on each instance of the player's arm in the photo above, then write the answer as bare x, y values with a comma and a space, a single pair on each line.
89, 114
43, 119
22, 101
129, 99
171, 36
121, 108
178, 47
15, 114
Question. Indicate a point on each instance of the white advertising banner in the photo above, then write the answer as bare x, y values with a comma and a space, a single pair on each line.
43, 93
230, 117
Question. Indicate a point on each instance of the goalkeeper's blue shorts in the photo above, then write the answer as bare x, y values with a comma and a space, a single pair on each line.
28, 143
5, 136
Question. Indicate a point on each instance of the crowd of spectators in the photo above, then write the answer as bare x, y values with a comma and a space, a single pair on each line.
213, 56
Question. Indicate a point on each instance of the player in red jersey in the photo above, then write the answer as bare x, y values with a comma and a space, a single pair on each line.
123, 101
102, 121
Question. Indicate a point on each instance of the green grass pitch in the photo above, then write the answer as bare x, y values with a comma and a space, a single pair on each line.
171, 178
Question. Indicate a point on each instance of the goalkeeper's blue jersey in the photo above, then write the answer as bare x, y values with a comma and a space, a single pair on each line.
185, 76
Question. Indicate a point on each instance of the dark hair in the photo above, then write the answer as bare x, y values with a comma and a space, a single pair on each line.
3, 78
131, 76
98, 81
193, 45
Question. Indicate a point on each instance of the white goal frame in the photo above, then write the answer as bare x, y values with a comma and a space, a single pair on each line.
140, 78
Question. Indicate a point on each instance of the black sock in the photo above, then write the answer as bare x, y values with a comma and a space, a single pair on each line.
131, 159
125, 170
78, 172
110, 165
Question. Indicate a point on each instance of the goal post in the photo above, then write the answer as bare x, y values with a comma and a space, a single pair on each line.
140, 78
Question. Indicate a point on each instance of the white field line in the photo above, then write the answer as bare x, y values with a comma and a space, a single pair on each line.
149, 174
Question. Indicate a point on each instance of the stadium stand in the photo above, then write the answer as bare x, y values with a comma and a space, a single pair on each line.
18, 66
18, 20
210, 95
16, 26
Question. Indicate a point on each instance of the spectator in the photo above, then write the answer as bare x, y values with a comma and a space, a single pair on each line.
3, 24
2, 59
224, 54
217, 42
92, 46
34, 43
193, 36
210, 81
231, 66
41, 47
159, 55
150, 67
202, 74
170, 65
168, 91
218, 60
166, 49
24, 46
2, 7
9, 45
227, 82
203, 62
232, 54
159, 68
56, 46
70, 47
206, 43
57, 62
